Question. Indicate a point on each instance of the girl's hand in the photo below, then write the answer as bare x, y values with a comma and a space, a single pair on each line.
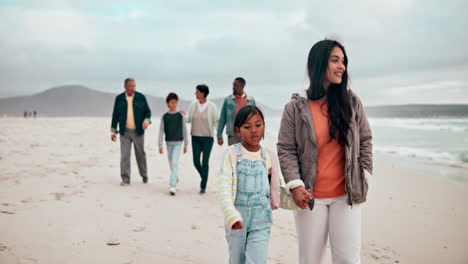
161, 150
310, 201
237, 225
301, 197
185, 150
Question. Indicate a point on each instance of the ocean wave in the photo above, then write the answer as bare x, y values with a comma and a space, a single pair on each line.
452, 158
427, 124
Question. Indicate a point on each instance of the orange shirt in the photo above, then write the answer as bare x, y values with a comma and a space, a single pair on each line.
330, 181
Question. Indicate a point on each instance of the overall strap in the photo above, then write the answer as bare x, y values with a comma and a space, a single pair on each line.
238, 147
264, 155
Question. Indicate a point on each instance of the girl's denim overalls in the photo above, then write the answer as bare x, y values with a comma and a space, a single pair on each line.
250, 244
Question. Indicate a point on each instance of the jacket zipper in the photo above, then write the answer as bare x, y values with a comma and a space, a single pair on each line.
314, 140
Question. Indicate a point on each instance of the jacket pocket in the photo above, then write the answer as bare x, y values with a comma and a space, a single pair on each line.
122, 107
138, 106
261, 217
364, 184
229, 111
249, 183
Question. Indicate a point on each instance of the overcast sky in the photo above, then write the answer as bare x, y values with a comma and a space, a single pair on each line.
400, 51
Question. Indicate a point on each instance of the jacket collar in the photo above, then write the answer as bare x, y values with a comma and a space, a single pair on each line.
245, 94
301, 102
135, 94
300, 95
303, 93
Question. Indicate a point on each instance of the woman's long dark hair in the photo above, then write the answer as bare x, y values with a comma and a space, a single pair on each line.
338, 96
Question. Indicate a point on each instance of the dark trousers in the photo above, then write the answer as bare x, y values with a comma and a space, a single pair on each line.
234, 140
202, 145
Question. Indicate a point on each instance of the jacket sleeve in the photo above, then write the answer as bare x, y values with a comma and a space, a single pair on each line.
222, 120
115, 118
190, 112
365, 138
283, 197
275, 184
215, 117
184, 132
147, 111
161, 132
287, 146
224, 178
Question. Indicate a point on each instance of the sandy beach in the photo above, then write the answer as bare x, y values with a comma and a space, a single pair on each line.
61, 202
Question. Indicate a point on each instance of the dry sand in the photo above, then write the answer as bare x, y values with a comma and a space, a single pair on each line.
61, 202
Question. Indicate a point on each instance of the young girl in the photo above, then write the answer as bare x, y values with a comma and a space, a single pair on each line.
248, 187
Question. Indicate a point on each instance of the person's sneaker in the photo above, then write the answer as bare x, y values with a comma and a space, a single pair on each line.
172, 190
145, 179
202, 191
124, 183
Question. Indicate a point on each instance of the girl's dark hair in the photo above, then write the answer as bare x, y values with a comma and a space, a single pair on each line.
245, 113
204, 89
172, 96
338, 96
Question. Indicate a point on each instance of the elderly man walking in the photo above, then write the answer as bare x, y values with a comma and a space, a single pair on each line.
132, 114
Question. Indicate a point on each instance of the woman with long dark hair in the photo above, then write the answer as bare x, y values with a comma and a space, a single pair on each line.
325, 154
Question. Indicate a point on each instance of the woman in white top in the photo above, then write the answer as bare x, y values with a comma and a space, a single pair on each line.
203, 115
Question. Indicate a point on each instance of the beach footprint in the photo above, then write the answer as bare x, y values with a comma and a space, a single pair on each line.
379, 254
113, 242
3, 247
7, 208
58, 195
139, 229
28, 260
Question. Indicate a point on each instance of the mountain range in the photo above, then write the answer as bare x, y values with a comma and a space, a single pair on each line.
79, 100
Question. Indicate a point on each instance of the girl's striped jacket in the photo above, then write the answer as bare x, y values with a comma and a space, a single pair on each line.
226, 182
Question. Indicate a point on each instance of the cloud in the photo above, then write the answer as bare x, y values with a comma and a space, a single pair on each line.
173, 45
136, 13
442, 85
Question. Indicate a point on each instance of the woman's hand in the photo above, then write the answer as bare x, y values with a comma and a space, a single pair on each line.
301, 197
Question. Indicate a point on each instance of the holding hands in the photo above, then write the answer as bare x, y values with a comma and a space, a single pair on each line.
302, 197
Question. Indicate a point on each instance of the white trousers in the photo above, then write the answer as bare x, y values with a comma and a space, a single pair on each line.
331, 218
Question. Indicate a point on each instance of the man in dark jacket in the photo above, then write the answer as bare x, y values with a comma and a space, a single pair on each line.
132, 114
